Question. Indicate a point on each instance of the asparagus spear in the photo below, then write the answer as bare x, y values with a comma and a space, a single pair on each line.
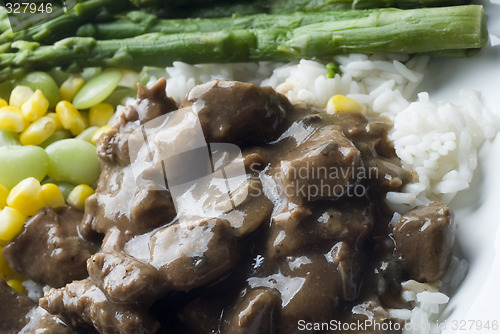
286, 6
291, 6
382, 31
139, 23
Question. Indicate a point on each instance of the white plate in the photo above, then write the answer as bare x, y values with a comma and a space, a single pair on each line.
477, 210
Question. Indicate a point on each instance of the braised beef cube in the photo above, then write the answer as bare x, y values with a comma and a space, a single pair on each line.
83, 304
424, 238
253, 211
151, 208
151, 103
158, 103
41, 322
324, 166
50, 250
237, 112
120, 202
13, 309
254, 313
124, 278
19, 314
193, 253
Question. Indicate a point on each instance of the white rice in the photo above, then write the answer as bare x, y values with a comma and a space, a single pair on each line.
437, 141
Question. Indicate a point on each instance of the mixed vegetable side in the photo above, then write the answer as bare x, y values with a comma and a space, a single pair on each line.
48, 133
50, 121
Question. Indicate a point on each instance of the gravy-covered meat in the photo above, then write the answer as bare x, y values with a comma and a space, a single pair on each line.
50, 250
424, 237
182, 257
289, 225
310, 165
13, 309
19, 314
83, 304
237, 112
151, 103
118, 201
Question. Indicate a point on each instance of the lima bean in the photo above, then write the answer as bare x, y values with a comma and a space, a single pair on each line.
20, 162
97, 89
74, 161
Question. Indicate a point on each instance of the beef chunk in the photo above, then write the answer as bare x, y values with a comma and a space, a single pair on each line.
124, 278
19, 314
349, 220
183, 256
424, 237
191, 254
158, 103
49, 250
120, 202
13, 309
42, 322
254, 313
324, 166
82, 304
151, 103
237, 112
254, 210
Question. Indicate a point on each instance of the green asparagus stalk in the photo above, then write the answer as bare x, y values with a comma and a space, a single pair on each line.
291, 6
460, 28
140, 23
286, 6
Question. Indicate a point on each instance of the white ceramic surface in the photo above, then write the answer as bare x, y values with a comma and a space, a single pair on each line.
478, 209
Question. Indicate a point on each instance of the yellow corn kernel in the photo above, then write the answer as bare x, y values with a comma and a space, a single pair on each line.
11, 119
70, 117
38, 131
341, 103
52, 196
16, 285
100, 114
71, 86
78, 195
3, 103
19, 95
26, 197
56, 120
11, 223
35, 107
99, 133
4, 192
